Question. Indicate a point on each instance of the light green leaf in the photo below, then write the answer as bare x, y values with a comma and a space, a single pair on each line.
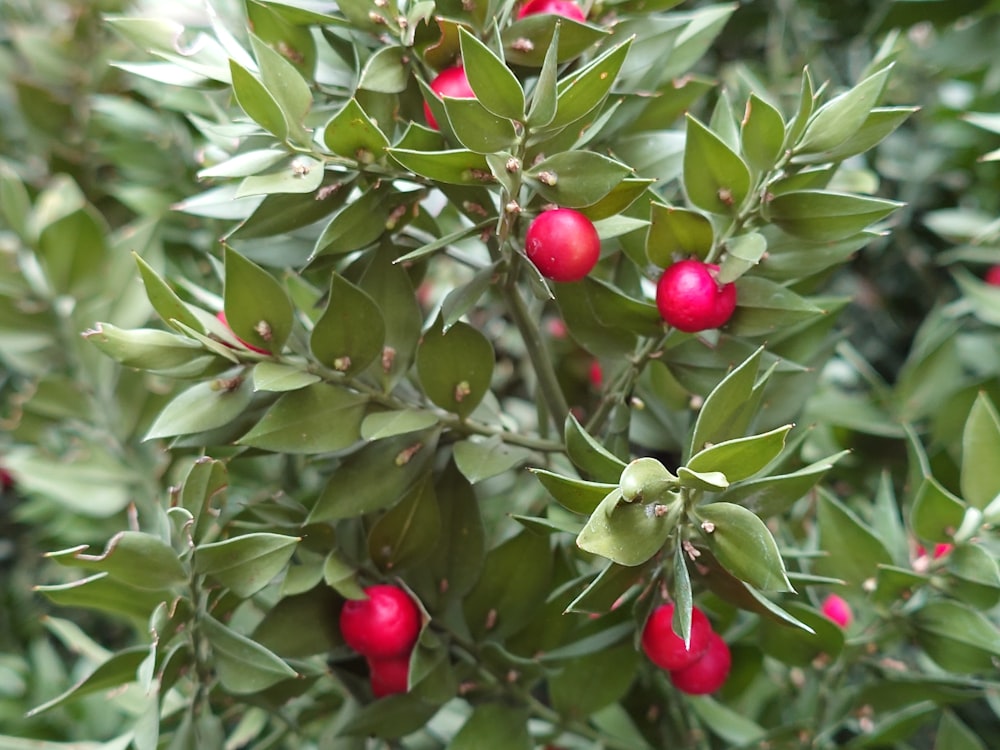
276, 377
202, 407
138, 559
743, 545
383, 424
827, 216
482, 459
741, 457
980, 478
842, 117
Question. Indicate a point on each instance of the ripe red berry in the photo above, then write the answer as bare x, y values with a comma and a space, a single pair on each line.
838, 610
596, 374
383, 626
665, 648
992, 275
690, 299
221, 316
449, 82
564, 8
389, 676
563, 244
708, 673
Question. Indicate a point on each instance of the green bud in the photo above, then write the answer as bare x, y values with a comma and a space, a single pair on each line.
646, 480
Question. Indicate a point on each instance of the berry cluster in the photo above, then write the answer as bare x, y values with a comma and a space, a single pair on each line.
384, 629
699, 668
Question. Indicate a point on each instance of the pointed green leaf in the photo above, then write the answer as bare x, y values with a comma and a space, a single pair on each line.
163, 299
495, 86
773, 495
625, 533
576, 178
953, 734
287, 86
106, 594
243, 665
132, 557
589, 455
454, 167
319, 418
494, 726
538, 30
764, 307
408, 532
350, 333
715, 177
980, 448
542, 101
257, 101
383, 424
385, 72
936, 513
584, 90
708, 481
203, 407
117, 670
720, 413
675, 233
245, 564
573, 494
257, 306
455, 368
957, 637
762, 134
482, 459
353, 134
743, 252
360, 223
881, 122
827, 216
741, 457
275, 377
842, 117
476, 128
853, 551
744, 545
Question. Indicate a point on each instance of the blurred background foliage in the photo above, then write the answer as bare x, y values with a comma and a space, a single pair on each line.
106, 155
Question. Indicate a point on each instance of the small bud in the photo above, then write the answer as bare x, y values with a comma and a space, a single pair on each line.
342, 364
707, 526
512, 207
513, 165
548, 178
404, 456
522, 44
388, 357
491, 619
263, 329
462, 390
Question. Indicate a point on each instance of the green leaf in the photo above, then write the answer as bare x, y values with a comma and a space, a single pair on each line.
743, 545
287, 86
625, 533
454, 167
254, 98
514, 583
542, 101
677, 232
280, 213
958, 638
360, 223
590, 456
495, 86
764, 307
953, 734
721, 417
743, 252
151, 349
708, 481
880, 123
138, 559
350, 333
773, 495
980, 448
827, 216
576, 495
796, 647
243, 665
115, 671
476, 128
591, 682
341, 577
106, 594
275, 377
741, 457
461, 298
383, 424
456, 367
722, 721
163, 299
257, 307
842, 117
601, 594
584, 90
762, 135
376, 476
391, 717
457, 559
936, 513
617, 310
353, 134
494, 726
299, 626
319, 418
853, 551
715, 177
245, 564
408, 532
539, 31
576, 178
203, 407
385, 72
483, 459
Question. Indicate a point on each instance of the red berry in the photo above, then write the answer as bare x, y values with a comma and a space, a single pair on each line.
389, 676
690, 299
383, 626
563, 244
708, 673
449, 82
564, 8
6, 479
221, 316
665, 648
992, 275
596, 374
837, 610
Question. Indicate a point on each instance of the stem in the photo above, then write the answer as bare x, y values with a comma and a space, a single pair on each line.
548, 383
623, 384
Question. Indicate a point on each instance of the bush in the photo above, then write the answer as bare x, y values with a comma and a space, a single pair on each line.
319, 354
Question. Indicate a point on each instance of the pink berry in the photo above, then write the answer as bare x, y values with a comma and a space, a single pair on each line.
992, 275
665, 648
385, 625
690, 299
708, 673
838, 610
564, 8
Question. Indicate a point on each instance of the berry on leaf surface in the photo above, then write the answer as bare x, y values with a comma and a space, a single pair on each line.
563, 244
690, 298
708, 673
449, 82
383, 626
665, 648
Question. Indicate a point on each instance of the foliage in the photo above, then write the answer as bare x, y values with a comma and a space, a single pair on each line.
330, 364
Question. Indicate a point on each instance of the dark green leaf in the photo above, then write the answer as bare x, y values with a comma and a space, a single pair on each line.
953, 734
257, 307
980, 448
591, 682
360, 223
576, 178
350, 333
455, 368
715, 177
936, 513
677, 232
494, 726
764, 306
408, 532
589, 455
722, 721
539, 31
495, 86
773, 495
762, 135
542, 101
353, 134
744, 545
243, 665
823, 215
245, 564
853, 551
202, 407
957, 637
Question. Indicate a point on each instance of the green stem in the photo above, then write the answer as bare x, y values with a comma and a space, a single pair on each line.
619, 389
